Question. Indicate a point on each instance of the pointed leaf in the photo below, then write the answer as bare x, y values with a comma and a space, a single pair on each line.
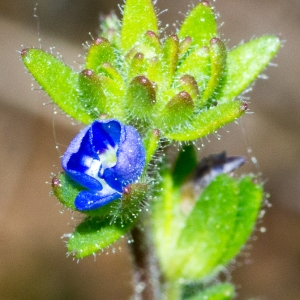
95, 234
141, 97
65, 190
177, 111
208, 121
244, 64
137, 66
200, 25
250, 198
91, 93
207, 230
58, 81
114, 92
218, 54
139, 17
101, 51
197, 65
170, 58
189, 84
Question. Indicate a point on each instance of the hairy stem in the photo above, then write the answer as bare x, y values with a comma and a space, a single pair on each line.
146, 270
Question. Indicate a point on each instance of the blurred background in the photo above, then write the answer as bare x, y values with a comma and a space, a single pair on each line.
33, 264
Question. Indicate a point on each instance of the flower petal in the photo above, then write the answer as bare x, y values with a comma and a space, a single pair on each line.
131, 160
73, 161
105, 133
104, 157
86, 200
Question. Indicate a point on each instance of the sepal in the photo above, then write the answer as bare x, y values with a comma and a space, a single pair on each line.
245, 62
95, 234
197, 65
208, 121
177, 111
200, 25
141, 97
170, 52
139, 17
58, 81
91, 95
101, 51
217, 53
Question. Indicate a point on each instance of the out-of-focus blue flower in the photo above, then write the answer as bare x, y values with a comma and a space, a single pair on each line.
104, 158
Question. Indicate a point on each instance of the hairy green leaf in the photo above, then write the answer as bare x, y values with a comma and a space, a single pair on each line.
245, 63
58, 81
139, 17
207, 122
95, 234
200, 25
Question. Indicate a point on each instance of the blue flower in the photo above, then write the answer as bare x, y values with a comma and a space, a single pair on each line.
104, 158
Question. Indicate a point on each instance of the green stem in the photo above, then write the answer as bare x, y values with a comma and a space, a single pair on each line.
146, 270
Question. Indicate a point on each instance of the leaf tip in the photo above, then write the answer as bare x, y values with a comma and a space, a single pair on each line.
205, 3
24, 52
244, 106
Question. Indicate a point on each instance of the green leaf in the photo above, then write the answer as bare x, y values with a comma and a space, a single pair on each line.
250, 198
200, 25
188, 84
141, 97
197, 65
114, 92
137, 66
65, 190
244, 64
208, 121
95, 234
185, 163
223, 291
218, 54
58, 81
139, 17
170, 58
101, 51
207, 231
176, 112
91, 93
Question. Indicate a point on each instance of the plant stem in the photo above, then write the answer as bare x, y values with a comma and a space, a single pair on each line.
146, 270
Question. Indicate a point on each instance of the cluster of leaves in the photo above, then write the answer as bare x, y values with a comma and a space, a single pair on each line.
177, 88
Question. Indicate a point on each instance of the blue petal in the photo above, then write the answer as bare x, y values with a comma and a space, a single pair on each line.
130, 160
105, 133
86, 200
85, 180
86, 158
72, 161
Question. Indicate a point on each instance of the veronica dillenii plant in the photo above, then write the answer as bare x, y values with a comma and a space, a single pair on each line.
138, 92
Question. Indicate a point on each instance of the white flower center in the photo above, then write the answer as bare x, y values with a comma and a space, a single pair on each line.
107, 159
